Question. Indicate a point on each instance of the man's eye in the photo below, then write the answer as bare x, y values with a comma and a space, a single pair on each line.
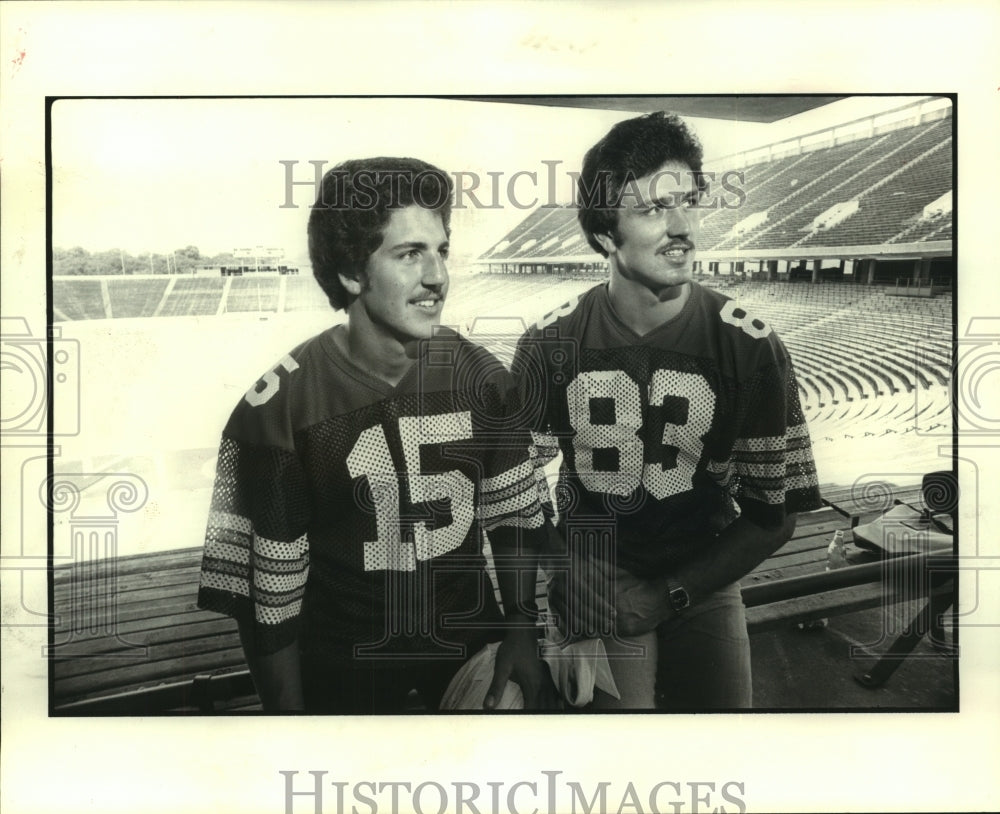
411, 254
444, 253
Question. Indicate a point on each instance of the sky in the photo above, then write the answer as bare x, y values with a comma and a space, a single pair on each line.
153, 175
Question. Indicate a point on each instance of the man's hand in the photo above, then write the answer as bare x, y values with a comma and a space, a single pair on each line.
517, 660
581, 597
642, 604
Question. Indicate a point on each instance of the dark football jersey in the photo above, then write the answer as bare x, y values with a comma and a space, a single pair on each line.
350, 514
667, 437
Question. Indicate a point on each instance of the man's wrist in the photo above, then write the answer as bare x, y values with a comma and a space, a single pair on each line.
520, 619
678, 597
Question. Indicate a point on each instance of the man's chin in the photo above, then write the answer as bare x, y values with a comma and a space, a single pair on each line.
675, 286
415, 337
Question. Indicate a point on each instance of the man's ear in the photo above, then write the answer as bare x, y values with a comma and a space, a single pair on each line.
607, 243
351, 284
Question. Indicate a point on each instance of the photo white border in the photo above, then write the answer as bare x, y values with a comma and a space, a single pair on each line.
788, 762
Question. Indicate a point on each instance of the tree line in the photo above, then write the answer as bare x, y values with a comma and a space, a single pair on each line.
78, 260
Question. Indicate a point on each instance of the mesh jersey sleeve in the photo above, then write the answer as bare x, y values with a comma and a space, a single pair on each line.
508, 492
772, 461
256, 556
530, 402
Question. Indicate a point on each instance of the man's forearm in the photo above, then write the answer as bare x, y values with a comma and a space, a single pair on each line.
517, 659
516, 567
277, 676
730, 556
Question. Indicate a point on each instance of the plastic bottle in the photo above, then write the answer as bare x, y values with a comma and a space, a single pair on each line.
836, 553
836, 557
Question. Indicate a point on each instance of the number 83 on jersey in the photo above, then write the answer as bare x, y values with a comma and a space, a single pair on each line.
675, 454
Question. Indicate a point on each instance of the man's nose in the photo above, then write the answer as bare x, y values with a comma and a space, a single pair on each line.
435, 272
678, 222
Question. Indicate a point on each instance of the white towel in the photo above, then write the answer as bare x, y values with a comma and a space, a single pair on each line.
576, 670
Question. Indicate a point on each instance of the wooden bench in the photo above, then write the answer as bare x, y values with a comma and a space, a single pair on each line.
129, 639
794, 585
870, 500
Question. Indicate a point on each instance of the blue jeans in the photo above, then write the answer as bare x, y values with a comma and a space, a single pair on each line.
697, 661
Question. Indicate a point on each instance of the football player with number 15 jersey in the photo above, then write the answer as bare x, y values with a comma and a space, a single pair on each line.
357, 479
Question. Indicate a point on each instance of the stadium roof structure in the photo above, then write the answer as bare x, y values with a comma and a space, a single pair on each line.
756, 108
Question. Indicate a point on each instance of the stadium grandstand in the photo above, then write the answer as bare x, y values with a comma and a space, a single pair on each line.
138, 296
869, 201
841, 239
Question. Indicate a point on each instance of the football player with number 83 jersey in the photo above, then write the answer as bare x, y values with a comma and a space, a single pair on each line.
685, 452
356, 480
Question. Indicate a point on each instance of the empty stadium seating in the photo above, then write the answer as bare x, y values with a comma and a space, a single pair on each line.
303, 294
531, 238
852, 342
197, 296
847, 172
892, 175
933, 228
252, 294
849, 342
78, 298
135, 297
763, 184
898, 200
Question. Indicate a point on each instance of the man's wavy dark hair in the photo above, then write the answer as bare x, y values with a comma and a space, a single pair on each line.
631, 150
355, 202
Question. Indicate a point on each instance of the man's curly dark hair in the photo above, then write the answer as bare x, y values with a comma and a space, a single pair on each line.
631, 150
355, 202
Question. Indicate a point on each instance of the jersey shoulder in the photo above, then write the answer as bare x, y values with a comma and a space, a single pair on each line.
568, 318
263, 416
568, 321
476, 377
451, 361
467, 351
740, 328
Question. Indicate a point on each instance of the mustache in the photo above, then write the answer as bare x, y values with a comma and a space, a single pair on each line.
676, 244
